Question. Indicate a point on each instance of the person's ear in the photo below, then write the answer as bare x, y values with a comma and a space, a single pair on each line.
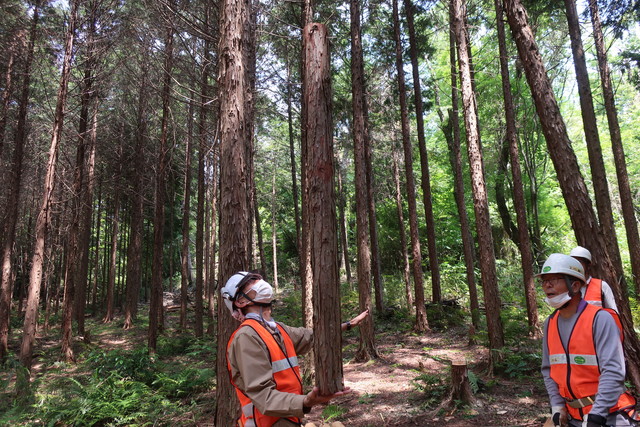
576, 285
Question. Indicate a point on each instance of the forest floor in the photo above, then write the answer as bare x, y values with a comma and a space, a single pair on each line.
407, 385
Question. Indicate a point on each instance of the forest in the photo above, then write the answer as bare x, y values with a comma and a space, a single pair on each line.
417, 158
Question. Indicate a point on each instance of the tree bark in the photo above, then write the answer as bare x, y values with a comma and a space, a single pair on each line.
14, 47
155, 306
451, 131
234, 210
13, 196
422, 324
526, 256
406, 270
366, 346
598, 172
322, 216
42, 222
479, 191
134, 251
626, 199
574, 190
113, 252
436, 291
203, 149
185, 269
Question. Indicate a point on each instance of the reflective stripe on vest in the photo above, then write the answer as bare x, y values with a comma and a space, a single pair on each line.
593, 293
285, 368
575, 369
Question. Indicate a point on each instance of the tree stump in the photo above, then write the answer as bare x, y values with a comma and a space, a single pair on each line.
460, 386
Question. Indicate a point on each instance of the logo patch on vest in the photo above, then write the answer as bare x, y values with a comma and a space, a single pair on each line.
579, 360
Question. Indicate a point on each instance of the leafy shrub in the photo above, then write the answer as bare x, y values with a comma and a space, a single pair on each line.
433, 386
519, 364
110, 401
444, 315
332, 411
184, 383
136, 364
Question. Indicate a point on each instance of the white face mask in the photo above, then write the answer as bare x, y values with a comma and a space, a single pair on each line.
264, 292
559, 300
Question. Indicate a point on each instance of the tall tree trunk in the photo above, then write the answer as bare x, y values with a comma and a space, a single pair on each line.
113, 252
186, 214
598, 172
134, 251
292, 157
406, 268
451, 130
203, 149
306, 276
85, 225
274, 233
37, 261
436, 292
234, 209
155, 306
322, 216
518, 187
479, 191
342, 206
574, 189
626, 199
13, 196
422, 324
214, 234
74, 254
361, 140
14, 47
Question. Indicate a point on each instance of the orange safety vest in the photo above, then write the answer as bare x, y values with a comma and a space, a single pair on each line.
286, 374
593, 293
576, 369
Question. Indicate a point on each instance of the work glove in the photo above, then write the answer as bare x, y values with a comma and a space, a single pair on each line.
594, 420
559, 416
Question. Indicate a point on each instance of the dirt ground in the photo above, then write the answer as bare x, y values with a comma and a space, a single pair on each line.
384, 393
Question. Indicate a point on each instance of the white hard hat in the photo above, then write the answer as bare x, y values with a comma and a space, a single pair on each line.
264, 291
580, 252
563, 264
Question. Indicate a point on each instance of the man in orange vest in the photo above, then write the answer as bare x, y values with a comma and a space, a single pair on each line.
582, 358
262, 357
595, 291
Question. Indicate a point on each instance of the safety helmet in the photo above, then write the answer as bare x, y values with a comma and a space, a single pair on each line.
580, 252
563, 264
264, 291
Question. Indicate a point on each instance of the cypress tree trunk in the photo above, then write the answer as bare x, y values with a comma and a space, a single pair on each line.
598, 172
422, 324
366, 347
43, 220
234, 208
626, 199
322, 216
518, 187
479, 191
436, 292
13, 196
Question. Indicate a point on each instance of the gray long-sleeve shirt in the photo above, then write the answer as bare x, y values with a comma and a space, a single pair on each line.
610, 360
